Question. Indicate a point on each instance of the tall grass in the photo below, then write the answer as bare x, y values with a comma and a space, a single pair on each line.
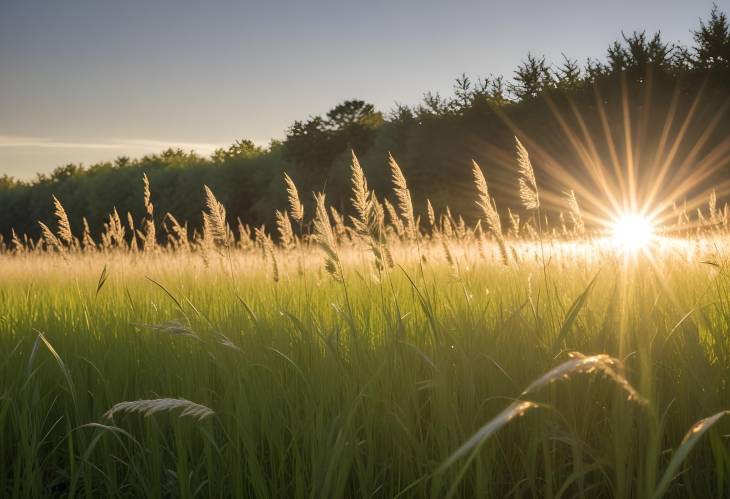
374, 360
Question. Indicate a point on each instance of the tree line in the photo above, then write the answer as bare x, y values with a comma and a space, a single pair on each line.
647, 101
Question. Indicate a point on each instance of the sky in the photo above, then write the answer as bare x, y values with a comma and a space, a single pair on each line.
85, 81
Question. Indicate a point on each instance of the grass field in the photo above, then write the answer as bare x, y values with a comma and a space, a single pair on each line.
409, 365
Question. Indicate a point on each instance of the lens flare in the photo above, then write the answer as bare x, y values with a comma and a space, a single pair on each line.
632, 232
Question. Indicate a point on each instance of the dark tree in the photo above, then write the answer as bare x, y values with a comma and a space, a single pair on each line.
712, 40
531, 78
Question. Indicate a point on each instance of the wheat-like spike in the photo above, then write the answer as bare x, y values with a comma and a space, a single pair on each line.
361, 198
134, 232
430, 213
64, 226
150, 232
286, 233
394, 219
50, 238
261, 237
446, 227
178, 233
339, 223
244, 235
153, 406
461, 228
17, 243
87, 241
296, 208
378, 214
528, 184
271, 254
404, 198
116, 230
485, 202
712, 205
491, 215
325, 238
576, 217
215, 218
148, 206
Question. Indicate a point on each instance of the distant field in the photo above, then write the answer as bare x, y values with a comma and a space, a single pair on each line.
423, 359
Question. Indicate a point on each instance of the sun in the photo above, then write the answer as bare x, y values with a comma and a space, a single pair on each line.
632, 232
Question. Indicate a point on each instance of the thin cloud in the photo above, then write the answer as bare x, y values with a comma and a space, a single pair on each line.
7, 141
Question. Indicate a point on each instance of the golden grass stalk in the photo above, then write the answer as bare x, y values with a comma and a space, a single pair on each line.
50, 238
16, 243
361, 199
489, 209
135, 234
115, 230
400, 186
339, 223
325, 238
64, 226
296, 208
150, 231
528, 184
287, 239
244, 235
214, 219
87, 241
395, 220
430, 214
177, 233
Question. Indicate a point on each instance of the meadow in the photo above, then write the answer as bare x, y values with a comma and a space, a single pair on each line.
375, 355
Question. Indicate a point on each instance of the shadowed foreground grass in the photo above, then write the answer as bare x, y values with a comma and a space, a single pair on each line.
363, 388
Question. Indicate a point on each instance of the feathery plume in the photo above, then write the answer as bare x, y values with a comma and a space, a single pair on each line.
150, 232
214, 219
135, 233
325, 238
17, 243
50, 238
527, 182
430, 213
286, 233
296, 208
394, 219
404, 198
87, 241
491, 216
361, 197
64, 226
177, 234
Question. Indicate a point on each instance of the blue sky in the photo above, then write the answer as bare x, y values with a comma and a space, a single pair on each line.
82, 81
